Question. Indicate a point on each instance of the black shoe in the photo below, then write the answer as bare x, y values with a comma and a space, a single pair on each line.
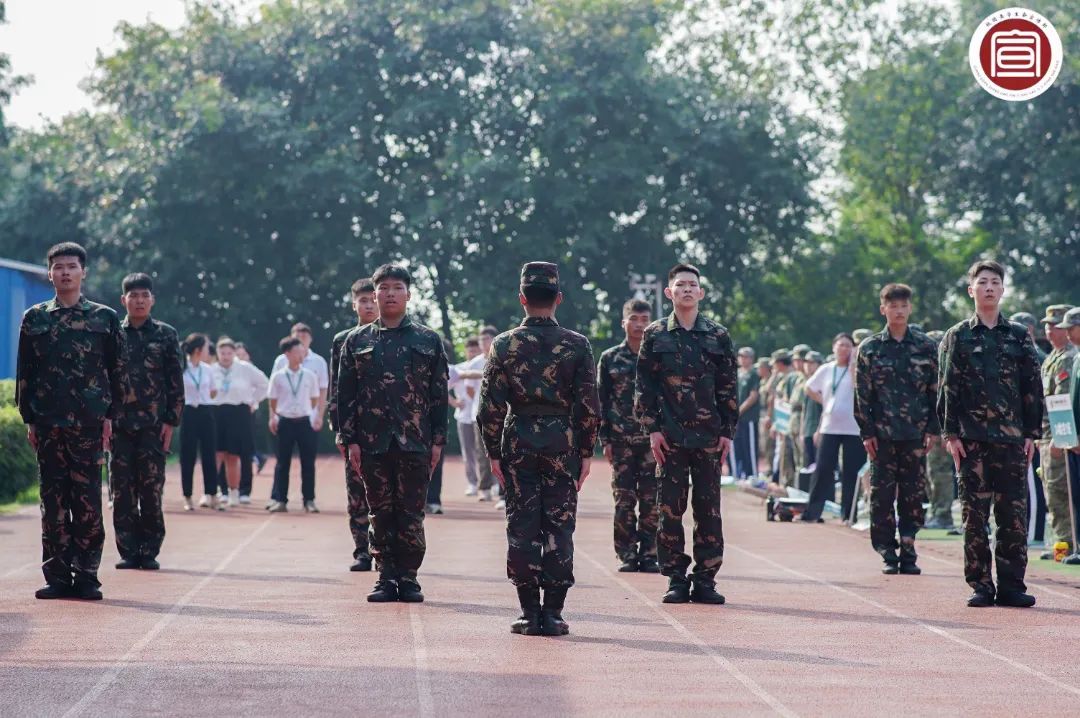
385, 591
551, 620
890, 569
981, 598
648, 565
150, 564
678, 590
52, 590
409, 591
1046, 556
910, 569
528, 623
630, 565
1015, 599
361, 564
86, 592
704, 591
127, 563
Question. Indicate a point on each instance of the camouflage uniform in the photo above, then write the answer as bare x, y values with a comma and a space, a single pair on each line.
811, 417
896, 403
392, 402
539, 415
155, 398
686, 389
768, 443
634, 468
1056, 379
785, 391
990, 396
358, 509
70, 378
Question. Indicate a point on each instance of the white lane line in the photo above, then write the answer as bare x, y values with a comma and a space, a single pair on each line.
748, 682
117, 668
898, 614
20, 569
423, 674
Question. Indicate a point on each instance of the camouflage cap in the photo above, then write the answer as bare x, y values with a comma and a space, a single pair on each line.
781, 355
799, 351
540, 274
1055, 313
1025, 318
763, 363
1071, 319
861, 334
746, 352
937, 335
815, 357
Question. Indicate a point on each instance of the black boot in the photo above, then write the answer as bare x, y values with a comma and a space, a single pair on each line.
630, 565
86, 590
409, 590
528, 623
892, 562
551, 620
363, 563
705, 591
908, 557
1015, 599
648, 564
386, 588
981, 598
126, 563
53, 590
678, 589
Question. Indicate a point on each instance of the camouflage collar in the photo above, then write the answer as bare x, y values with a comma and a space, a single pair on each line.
406, 322
148, 324
974, 322
909, 338
52, 305
539, 322
700, 323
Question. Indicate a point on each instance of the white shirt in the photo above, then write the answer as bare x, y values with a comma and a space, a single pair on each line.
465, 414
837, 397
312, 362
293, 392
477, 363
242, 383
198, 383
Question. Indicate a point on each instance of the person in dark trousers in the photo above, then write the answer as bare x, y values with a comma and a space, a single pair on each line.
294, 395
70, 385
746, 431
198, 434
144, 427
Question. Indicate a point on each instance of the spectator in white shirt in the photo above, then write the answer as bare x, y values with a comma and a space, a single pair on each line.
313, 363
294, 397
473, 372
198, 435
832, 386
465, 414
241, 388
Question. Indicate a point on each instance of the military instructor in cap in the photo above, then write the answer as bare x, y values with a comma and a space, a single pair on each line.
540, 414
1056, 379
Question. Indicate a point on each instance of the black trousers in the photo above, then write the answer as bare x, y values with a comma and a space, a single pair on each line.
198, 439
746, 448
434, 489
298, 433
809, 450
823, 484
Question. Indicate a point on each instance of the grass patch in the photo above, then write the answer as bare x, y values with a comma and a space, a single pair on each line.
26, 497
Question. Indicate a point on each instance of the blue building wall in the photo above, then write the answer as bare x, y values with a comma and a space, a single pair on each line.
19, 290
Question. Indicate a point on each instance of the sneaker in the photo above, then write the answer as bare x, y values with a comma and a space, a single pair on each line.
434, 508
234, 497
220, 502
188, 504
501, 505
245, 499
260, 462
206, 501
470, 490
485, 495
277, 507
309, 507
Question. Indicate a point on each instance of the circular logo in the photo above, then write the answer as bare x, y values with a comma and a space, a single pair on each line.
1015, 54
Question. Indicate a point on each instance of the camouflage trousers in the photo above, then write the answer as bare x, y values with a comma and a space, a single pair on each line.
993, 476
786, 467
541, 515
396, 485
359, 512
138, 478
1055, 482
897, 491
942, 473
673, 492
72, 530
633, 483
767, 447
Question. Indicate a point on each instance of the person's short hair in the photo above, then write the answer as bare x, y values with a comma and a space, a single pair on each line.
986, 265
391, 271
472, 342
66, 249
682, 267
194, 342
489, 331
288, 343
540, 297
895, 292
364, 285
225, 342
240, 345
843, 335
636, 306
300, 328
138, 280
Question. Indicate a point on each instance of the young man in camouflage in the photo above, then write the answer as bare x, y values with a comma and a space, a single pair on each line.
686, 400
796, 395
367, 311
941, 474
811, 410
69, 387
783, 367
990, 407
144, 427
539, 415
896, 409
766, 447
1056, 379
626, 446
392, 404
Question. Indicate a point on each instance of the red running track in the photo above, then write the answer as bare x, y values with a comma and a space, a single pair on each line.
255, 614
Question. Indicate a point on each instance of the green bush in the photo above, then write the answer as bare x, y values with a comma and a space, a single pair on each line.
7, 392
18, 465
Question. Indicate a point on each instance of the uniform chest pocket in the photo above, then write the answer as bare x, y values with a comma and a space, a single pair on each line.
154, 356
883, 367
363, 359
422, 357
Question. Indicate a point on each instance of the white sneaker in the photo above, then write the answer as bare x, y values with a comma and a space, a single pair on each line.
485, 495
206, 501
220, 502
234, 497
188, 505
470, 490
245, 499
501, 505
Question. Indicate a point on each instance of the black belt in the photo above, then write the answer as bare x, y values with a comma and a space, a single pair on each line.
539, 410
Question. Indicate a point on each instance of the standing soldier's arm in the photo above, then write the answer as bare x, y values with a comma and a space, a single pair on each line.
585, 414
25, 376
865, 396
494, 397
948, 402
1031, 391
726, 386
116, 367
440, 398
604, 391
647, 386
348, 394
933, 423
332, 403
174, 380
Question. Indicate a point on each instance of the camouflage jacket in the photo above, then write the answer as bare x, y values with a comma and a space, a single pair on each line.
392, 387
539, 392
1057, 372
155, 376
71, 368
615, 376
796, 395
686, 383
989, 387
896, 387
335, 364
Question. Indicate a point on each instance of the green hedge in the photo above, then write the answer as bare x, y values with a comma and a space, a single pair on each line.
7, 392
18, 465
